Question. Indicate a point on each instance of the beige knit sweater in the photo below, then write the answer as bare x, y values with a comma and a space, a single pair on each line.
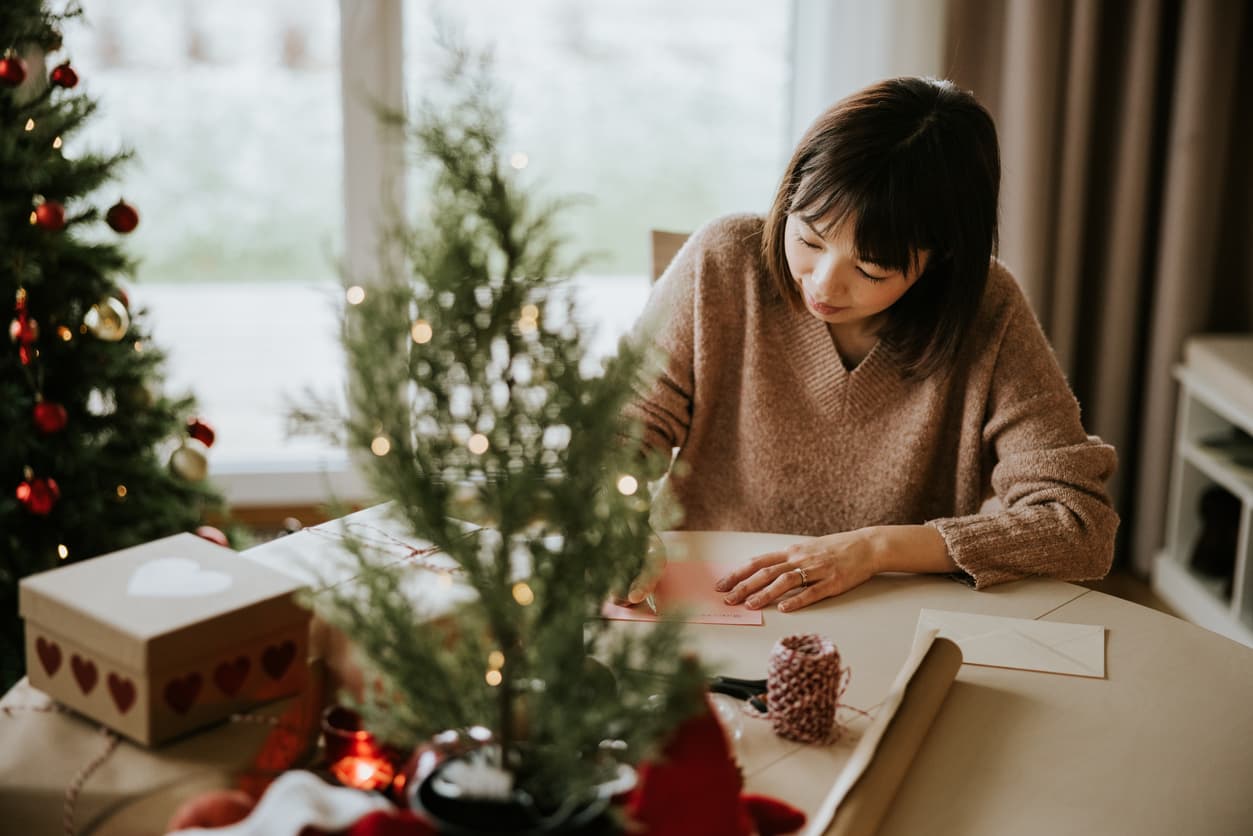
774, 434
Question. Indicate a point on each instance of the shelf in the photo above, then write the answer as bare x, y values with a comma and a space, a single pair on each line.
1215, 400
1226, 473
1196, 599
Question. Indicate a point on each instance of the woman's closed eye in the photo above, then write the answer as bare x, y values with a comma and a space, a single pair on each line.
807, 242
869, 275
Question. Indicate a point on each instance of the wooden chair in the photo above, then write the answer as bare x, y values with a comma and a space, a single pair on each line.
664, 246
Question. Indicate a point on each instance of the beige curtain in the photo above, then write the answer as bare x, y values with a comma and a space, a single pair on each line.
1126, 201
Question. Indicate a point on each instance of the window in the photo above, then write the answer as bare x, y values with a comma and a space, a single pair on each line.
661, 115
233, 111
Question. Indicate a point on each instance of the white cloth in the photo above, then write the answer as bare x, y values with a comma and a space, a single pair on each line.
297, 800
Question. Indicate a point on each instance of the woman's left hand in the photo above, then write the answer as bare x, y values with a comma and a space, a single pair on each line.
813, 570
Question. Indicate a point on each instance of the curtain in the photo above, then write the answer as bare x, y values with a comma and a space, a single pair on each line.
1126, 200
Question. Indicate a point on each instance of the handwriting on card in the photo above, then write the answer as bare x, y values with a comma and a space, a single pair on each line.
686, 591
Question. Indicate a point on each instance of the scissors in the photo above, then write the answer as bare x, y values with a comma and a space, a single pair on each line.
752, 691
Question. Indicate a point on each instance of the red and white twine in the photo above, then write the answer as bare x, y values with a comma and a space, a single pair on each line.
77, 782
111, 741
804, 683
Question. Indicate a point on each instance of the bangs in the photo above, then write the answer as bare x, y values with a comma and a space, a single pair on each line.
896, 213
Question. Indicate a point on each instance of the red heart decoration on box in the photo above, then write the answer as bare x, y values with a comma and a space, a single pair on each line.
123, 691
278, 658
180, 694
230, 676
84, 673
49, 655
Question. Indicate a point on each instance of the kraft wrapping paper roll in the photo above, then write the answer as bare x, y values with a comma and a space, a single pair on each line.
865, 805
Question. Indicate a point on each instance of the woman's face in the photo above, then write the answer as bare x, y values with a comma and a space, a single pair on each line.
839, 288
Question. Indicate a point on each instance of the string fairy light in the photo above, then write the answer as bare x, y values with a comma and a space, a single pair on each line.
421, 331
494, 678
121, 492
56, 143
523, 594
30, 124
519, 160
380, 446
628, 485
63, 551
478, 444
529, 319
495, 660
355, 295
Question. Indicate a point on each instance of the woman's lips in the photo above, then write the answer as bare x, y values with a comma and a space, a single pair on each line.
825, 310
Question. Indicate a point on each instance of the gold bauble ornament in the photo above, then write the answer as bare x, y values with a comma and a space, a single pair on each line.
108, 320
189, 464
135, 396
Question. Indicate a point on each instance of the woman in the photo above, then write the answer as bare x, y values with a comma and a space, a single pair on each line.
856, 366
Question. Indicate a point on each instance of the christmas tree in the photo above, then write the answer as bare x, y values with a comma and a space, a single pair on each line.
93, 456
473, 398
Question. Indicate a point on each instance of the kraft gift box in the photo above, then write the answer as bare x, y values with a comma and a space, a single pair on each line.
157, 640
319, 558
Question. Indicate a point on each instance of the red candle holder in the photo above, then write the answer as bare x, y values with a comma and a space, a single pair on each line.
354, 755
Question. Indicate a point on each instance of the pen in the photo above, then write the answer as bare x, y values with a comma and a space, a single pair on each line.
652, 602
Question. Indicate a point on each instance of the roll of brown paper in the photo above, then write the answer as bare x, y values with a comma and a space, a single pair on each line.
867, 802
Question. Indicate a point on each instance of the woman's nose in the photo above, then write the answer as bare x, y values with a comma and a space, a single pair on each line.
824, 271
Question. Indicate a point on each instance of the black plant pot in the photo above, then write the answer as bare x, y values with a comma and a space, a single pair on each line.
518, 815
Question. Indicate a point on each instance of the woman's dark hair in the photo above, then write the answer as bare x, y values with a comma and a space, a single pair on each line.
915, 163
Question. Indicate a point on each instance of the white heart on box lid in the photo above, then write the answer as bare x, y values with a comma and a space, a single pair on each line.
176, 577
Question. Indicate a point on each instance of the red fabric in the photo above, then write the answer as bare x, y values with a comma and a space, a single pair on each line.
696, 790
396, 823
772, 816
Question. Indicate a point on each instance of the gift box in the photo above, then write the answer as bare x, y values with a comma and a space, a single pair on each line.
159, 639
319, 557
59, 774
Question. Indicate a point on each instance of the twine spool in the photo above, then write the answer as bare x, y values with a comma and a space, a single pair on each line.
804, 682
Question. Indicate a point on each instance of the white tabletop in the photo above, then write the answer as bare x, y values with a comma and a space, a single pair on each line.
1161, 745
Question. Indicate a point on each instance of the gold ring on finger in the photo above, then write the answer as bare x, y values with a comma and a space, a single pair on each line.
804, 578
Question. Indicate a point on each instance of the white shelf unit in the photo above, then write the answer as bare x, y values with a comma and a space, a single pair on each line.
1215, 398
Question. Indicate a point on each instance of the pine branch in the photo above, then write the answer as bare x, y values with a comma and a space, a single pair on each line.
475, 371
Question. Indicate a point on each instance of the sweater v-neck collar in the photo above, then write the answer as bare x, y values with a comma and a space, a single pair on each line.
821, 368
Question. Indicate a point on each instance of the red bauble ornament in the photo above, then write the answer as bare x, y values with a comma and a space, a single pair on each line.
63, 75
24, 330
50, 417
12, 69
122, 217
38, 495
200, 431
50, 215
213, 535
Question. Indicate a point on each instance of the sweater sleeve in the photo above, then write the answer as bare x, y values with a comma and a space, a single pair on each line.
663, 406
1056, 518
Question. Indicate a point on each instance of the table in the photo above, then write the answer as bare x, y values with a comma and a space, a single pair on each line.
1162, 745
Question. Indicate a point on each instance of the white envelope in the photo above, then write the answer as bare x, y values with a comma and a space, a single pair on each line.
995, 641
